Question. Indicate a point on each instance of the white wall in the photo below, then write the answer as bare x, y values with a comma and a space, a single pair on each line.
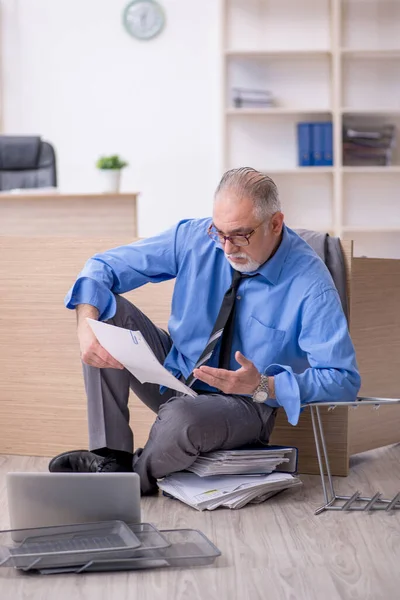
71, 73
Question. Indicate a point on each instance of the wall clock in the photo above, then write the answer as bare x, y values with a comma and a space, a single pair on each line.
144, 19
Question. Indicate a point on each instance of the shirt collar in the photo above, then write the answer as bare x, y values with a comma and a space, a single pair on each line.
272, 268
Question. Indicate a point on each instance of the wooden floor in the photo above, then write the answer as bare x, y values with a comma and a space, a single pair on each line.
278, 550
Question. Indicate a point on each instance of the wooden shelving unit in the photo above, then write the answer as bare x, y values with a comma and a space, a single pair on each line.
279, 110
370, 53
300, 171
335, 60
361, 229
273, 53
373, 170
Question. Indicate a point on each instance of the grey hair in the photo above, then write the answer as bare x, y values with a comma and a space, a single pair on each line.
247, 182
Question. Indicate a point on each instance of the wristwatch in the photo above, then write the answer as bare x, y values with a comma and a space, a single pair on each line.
261, 392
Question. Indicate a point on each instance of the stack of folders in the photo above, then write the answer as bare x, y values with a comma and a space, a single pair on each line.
234, 478
315, 144
240, 462
368, 145
250, 98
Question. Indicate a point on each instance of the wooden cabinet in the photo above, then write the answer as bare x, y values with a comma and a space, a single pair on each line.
68, 215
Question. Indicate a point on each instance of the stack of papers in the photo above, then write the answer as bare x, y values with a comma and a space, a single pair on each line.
231, 491
241, 462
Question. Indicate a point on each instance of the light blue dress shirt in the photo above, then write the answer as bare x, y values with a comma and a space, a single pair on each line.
288, 321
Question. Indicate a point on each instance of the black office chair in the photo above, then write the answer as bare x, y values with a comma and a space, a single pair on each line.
26, 162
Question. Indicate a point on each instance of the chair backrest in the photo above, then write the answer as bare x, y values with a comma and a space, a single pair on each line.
347, 251
337, 259
26, 162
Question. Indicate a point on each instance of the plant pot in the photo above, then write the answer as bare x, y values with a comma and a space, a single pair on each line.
111, 180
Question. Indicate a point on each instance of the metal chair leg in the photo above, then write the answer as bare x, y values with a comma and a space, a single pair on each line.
356, 502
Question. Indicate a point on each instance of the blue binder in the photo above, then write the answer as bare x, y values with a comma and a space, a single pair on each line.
304, 144
327, 152
317, 144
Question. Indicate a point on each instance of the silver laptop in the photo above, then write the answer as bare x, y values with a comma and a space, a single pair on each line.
45, 499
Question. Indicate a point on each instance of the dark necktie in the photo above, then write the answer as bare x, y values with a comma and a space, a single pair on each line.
223, 327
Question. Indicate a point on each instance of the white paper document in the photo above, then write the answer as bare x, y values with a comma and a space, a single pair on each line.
131, 350
232, 491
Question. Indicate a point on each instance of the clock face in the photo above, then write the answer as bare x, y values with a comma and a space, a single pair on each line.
144, 19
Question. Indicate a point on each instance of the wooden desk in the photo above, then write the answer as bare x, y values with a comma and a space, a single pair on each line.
42, 397
68, 215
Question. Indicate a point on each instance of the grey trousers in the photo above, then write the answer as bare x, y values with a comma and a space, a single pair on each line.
184, 426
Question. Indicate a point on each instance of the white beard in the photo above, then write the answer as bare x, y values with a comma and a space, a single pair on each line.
248, 267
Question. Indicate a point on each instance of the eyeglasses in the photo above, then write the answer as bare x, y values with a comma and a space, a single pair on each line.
239, 239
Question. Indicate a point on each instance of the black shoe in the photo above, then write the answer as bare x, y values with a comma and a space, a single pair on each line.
111, 464
137, 454
83, 461
154, 488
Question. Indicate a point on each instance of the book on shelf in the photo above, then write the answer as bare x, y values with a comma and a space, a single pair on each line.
327, 152
304, 144
315, 144
368, 144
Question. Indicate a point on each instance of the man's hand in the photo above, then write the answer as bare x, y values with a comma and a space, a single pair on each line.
243, 381
92, 353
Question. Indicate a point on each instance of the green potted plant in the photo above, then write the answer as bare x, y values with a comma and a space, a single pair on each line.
110, 168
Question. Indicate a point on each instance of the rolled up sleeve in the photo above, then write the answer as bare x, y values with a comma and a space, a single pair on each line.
126, 268
88, 291
333, 373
